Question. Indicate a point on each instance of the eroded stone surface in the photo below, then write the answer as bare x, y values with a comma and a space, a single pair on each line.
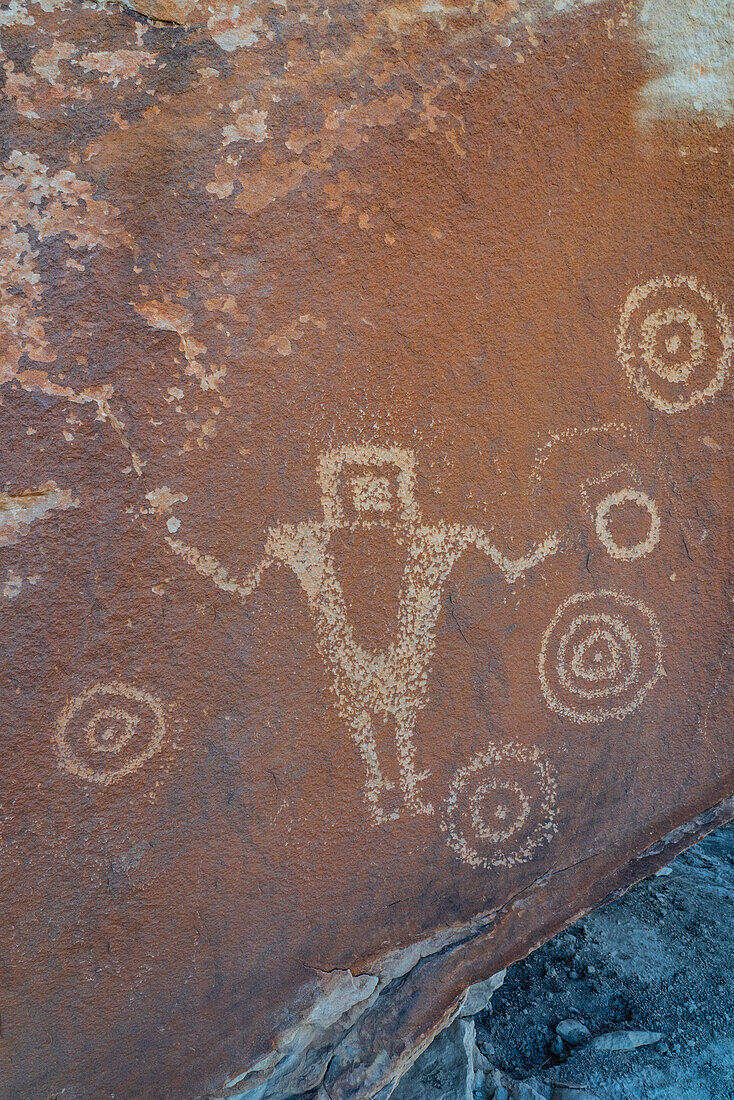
365, 379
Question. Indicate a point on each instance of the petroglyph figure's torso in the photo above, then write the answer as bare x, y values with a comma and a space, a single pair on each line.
394, 677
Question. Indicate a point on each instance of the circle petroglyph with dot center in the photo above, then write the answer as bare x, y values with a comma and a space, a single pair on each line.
509, 814
111, 729
675, 342
501, 806
614, 653
108, 731
658, 331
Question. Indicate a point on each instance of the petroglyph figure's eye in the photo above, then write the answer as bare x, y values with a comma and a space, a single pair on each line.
501, 806
108, 731
371, 494
675, 342
600, 656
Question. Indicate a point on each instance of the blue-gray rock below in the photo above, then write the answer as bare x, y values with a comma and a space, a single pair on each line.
573, 1032
446, 1070
625, 1040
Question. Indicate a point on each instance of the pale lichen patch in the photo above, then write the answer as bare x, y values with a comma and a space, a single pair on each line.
14, 582
693, 41
116, 65
162, 499
247, 126
227, 304
47, 62
18, 512
37, 204
16, 14
234, 26
166, 315
281, 342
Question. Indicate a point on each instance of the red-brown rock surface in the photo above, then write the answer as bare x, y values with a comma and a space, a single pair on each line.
365, 516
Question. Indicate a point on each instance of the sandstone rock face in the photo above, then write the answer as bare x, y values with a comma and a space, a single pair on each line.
366, 373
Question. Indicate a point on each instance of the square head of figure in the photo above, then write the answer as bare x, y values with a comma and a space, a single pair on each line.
367, 486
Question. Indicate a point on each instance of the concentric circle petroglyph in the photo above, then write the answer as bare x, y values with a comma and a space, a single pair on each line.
675, 342
108, 731
603, 515
600, 655
501, 806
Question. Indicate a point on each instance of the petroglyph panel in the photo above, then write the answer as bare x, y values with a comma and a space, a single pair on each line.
391, 685
365, 409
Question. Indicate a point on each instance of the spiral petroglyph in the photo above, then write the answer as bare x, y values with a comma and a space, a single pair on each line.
108, 731
675, 342
501, 806
600, 655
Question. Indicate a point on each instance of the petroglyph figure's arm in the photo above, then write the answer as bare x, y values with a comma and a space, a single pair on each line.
212, 568
513, 567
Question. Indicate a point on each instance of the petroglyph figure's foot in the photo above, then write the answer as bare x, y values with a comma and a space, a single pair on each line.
413, 800
395, 800
389, 804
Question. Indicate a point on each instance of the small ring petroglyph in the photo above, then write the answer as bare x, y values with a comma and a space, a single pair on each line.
501, 806
600, 655
675, 342
108, 731
639, 549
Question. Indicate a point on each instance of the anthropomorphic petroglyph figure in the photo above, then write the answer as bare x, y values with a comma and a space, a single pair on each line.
372, 486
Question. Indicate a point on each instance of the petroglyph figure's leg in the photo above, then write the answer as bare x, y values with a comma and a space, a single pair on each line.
387, 748
409, 777
378, 787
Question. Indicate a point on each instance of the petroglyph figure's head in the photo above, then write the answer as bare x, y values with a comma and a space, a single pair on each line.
366, 486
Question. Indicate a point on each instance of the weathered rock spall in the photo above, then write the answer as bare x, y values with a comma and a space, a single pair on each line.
364, 516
